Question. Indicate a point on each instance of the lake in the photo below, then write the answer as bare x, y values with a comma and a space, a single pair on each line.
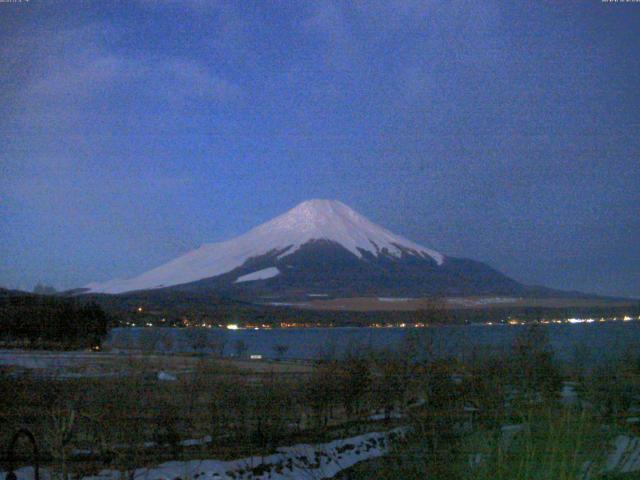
593, 342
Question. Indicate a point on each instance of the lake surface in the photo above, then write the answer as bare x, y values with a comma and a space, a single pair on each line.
593, 342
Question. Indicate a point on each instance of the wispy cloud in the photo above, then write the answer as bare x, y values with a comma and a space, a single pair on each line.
328, 21
73, 96
165, 78
72, 69
358, 36
189, 79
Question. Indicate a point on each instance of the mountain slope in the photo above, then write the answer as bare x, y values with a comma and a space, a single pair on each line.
319, 248
322, 268
281, 237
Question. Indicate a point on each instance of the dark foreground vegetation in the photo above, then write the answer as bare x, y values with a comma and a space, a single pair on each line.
481, 415
521, 416
49, 322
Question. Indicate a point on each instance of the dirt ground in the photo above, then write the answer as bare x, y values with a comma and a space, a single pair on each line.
382, 304
98, 364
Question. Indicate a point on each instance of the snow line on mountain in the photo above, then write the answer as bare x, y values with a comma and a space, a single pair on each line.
259, 275
309, 221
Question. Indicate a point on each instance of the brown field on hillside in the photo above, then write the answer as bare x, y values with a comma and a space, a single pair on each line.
371, 304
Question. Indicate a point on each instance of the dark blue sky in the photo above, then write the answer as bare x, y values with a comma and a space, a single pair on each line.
507, 132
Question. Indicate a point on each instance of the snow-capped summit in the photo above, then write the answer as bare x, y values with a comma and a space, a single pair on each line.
318, 248
313, 220
334, 221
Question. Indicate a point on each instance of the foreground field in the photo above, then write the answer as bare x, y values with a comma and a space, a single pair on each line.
489, 416
91, 410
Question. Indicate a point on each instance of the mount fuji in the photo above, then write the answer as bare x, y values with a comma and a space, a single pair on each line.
321, 248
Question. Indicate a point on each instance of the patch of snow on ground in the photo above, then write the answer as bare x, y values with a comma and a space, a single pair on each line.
385, 416
287, 304
72, 364
166, 377
626, 455
568, 395
259, 275
324, 460
193, 442
395, 299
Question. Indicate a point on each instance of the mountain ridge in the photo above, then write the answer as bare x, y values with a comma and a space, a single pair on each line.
322, 247
316, 219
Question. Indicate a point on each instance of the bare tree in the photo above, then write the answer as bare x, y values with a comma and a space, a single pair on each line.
321, 391
59, 431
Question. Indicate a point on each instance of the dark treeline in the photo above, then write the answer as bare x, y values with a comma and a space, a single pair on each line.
38, 321
47, 321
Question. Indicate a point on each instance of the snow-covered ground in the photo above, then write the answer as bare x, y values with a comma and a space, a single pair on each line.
35, 360
288, 304
323, 460
395, 299
626, 456
77, 364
